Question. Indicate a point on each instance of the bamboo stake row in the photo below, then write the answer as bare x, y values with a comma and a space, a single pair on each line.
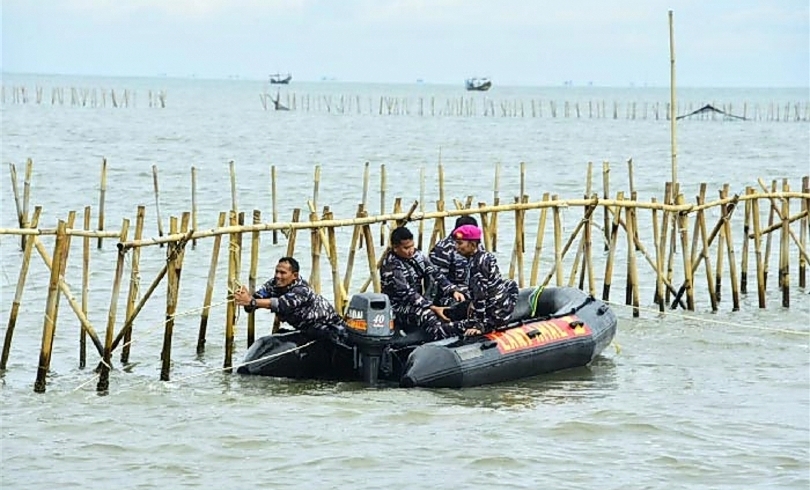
79, 96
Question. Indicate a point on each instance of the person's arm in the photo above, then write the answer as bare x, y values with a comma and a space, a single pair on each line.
263, 298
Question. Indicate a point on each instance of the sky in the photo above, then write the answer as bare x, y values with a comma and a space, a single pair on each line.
718, 43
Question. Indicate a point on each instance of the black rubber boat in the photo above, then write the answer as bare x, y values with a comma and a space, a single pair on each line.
551, 329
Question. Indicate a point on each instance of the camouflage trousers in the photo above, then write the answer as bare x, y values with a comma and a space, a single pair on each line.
498, 311
409, 317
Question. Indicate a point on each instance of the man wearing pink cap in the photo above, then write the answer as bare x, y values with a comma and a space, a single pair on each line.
493, 297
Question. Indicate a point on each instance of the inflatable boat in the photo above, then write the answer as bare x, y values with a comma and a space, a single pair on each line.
551, 329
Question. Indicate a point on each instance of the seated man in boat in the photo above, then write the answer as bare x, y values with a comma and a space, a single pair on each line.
402, 273
452, 264
492, 297
295, 302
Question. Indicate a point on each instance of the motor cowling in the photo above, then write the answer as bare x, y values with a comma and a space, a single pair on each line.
371, 329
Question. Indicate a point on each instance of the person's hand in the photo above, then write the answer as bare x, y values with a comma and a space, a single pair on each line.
471, 331
459, 296
241, 296
439, 311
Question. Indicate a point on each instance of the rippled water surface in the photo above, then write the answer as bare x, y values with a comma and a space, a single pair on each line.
696, 400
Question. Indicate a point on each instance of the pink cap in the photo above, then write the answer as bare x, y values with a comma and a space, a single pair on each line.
467, 232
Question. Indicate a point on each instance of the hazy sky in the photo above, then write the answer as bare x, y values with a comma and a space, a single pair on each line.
762, 43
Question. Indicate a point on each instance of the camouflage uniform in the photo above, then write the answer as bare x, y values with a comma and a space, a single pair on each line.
453, 265
493, 297
303, 309
402, 280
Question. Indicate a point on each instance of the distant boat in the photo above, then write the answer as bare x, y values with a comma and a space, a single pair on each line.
280, 78
479, 84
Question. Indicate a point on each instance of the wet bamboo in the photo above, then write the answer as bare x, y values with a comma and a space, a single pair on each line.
758, 253
631, 289
778, 214
673, 244
172, 289
29, 164
518, 248
614, 230
606, 196
726, 212
17, 201
15, 306
157, 202
134, 283
51, 307
382, 203
209, 288
572, 277
538, 244
274, 199
558, 253
315, 247
683, 230
586, 235
496, 200
746, 240
784, 250
721, 238
705, 255
105, 366
194, 203
353, 246
85, 289
101, 196
658, 298
803, 231
230, 313
588, 248
769, 237
339, 294
252, 273
372, 259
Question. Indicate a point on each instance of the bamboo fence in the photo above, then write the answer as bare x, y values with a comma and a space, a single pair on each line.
682, 242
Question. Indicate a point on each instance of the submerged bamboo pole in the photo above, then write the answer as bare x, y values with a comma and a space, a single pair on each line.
85, 289
15, 305
175, 261
784, 250
746, 231
209, 288
230, 313
134, 283
631, 292
700, 219
614, 230
274, 197
538, 245
803, 231
194, 203
51, 308
252, 273
106, 363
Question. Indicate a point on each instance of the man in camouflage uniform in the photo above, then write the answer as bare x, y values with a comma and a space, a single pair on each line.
295, 302
403, 272
492, 297
452, 264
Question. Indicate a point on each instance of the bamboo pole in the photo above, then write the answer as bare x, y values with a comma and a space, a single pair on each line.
769, 237
382, 203
15, 306
606, 196
726, 211
558, 254
658, 298
339, 294
51, 308
254, 268
496, 200
672, 105
784, 250
353, 246
209, 288
710, 278
194, 203
315, 242
683, 230
538, 245
230, 314
134, 283
102, 193
758, 254
85, 289
803, 232
106, 363
746, 231
631, 290
274, 197
157, 202
172, 278
721, 238
29, 164
17, 201
372, 259
232, 174
774, 209
614, 230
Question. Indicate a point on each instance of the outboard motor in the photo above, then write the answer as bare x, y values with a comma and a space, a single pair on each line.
371, 329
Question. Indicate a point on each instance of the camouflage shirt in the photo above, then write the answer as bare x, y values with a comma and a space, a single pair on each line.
300, 306
452, 264
493, 296
402, 280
